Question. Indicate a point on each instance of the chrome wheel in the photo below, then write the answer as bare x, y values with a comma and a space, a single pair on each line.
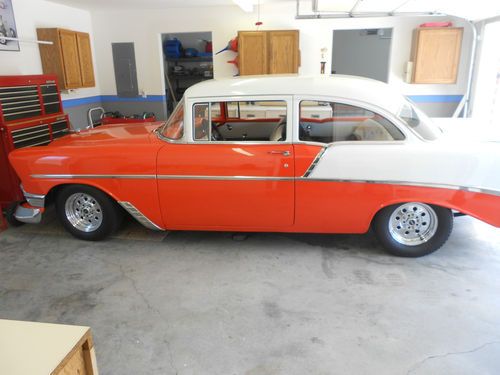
413, 224
83, 212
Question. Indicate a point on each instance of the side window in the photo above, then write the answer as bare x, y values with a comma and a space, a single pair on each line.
335, 122
243, 121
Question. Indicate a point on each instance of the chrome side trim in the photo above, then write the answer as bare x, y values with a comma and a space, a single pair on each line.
473, 189
73, 176
407, 183
35, 200
139, 216
224, 178
28, 215
161, 177
315, 162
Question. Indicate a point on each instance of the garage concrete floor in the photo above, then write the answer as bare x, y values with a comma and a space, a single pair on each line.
211, 303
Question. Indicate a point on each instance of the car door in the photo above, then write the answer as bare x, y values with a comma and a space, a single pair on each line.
208, 182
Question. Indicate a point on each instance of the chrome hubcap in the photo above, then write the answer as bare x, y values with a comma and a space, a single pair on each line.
83, 212
413, 224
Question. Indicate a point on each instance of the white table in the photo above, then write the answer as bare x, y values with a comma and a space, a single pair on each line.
41, 348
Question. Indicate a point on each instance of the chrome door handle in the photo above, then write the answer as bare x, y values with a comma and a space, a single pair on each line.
284, 153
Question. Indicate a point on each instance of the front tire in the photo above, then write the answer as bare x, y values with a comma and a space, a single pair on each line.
87, 213
9, 216
413, 229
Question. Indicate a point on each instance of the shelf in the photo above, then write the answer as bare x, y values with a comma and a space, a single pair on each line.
190, 59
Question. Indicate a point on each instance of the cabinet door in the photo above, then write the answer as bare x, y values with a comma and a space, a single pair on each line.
436, 55
71, 65
252, 52
283, 52
85, 58
51, 54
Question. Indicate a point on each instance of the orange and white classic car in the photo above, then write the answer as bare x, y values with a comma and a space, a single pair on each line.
283, 154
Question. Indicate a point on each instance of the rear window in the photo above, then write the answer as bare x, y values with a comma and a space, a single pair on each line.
328, 122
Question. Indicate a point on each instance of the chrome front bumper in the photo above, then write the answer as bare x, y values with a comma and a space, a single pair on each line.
28, 215
33, 214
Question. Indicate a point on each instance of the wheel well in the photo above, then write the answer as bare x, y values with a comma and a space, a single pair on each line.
50, 198
52, 194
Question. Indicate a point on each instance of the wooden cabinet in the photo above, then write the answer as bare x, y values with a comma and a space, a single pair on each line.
252, 52
268, 52
69, 57
70, 60
436, 54
85, 59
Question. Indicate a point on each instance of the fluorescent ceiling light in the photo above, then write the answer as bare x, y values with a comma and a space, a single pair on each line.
245, 5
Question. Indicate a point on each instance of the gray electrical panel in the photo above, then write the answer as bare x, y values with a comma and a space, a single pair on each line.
125, 70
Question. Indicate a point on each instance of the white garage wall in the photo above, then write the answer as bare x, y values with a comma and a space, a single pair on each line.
31, 14
145, 26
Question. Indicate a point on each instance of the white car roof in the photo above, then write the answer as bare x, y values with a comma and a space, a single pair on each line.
340, 86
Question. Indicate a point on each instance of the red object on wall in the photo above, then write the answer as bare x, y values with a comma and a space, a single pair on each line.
436, 24
30, 115
233, 61
232, 45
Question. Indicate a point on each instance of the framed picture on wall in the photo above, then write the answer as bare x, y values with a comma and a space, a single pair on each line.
7, 27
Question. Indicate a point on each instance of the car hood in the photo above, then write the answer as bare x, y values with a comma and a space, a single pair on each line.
110, 134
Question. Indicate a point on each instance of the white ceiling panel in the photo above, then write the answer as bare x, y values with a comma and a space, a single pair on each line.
152, 4
472, 10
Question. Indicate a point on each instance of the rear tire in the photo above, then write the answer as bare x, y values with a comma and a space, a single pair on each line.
413, 229
87, 213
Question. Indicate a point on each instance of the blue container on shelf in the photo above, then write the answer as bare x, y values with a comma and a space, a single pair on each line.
190, 52
172, 48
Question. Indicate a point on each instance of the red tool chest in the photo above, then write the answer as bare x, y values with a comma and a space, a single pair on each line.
30, 116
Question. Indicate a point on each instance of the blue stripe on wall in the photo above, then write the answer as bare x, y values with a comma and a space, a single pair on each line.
149, 98
69, 103
436, 98
98, 99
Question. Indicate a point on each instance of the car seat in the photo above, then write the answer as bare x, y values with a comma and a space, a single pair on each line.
279, 133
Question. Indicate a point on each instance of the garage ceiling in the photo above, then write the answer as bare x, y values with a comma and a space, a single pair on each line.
153, 4
476, 10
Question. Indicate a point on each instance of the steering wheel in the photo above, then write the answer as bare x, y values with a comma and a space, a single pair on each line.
216, 134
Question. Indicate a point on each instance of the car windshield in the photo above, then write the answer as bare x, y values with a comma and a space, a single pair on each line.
174, 127
418, 121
